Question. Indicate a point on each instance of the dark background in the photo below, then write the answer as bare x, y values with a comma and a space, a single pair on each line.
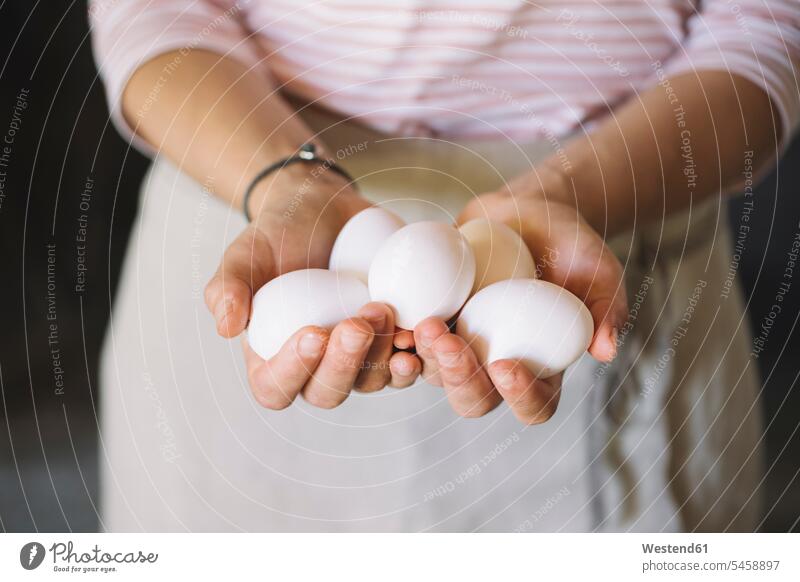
48, 441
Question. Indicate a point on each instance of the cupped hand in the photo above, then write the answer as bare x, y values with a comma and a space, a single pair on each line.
296, 221
569, 253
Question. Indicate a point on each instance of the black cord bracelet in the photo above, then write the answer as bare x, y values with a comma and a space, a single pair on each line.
306, 154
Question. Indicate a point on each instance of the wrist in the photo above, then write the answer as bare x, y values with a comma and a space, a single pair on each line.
545, 183
285, 189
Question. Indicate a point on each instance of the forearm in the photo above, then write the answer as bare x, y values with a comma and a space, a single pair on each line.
664, 149
219, 122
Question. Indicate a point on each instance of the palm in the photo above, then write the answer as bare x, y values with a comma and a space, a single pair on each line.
568, 252
295, 228
277, 242
303, 238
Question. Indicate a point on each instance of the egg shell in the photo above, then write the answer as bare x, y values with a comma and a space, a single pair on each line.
300, 298
424, 269
359, 240
542, 325
500, 253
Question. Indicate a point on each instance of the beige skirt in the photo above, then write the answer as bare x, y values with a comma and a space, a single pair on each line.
664, 439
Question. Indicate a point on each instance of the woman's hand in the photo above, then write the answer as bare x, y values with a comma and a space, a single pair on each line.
568, 252
296, 221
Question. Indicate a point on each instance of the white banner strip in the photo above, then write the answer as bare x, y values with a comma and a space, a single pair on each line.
400, 557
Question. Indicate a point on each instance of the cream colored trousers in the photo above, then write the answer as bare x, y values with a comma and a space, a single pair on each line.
664, 439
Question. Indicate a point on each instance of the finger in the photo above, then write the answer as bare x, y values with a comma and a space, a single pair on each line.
478, 207
246, 265
403, 339
425, 334
468, 388
405, 369
607, 323
603, 291
334, 377
532, 401
375, 374
276, 382
608, 304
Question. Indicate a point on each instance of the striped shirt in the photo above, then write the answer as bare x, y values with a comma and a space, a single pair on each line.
505, 69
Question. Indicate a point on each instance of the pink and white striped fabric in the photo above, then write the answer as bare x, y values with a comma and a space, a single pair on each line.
505, 69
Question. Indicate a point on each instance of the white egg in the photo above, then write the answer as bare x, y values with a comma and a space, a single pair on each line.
301, 298
424, 269
500, 253
542, 325
359, 239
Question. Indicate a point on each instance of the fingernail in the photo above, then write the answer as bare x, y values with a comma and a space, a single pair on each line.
427, 340
224, 307
376, 319
449, 359
401, 342
507, 378
614, 336
401, 367
353, 340
310, 345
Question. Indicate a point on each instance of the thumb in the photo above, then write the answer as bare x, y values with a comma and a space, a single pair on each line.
609, 315
475, 208
247, 264
607, 302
